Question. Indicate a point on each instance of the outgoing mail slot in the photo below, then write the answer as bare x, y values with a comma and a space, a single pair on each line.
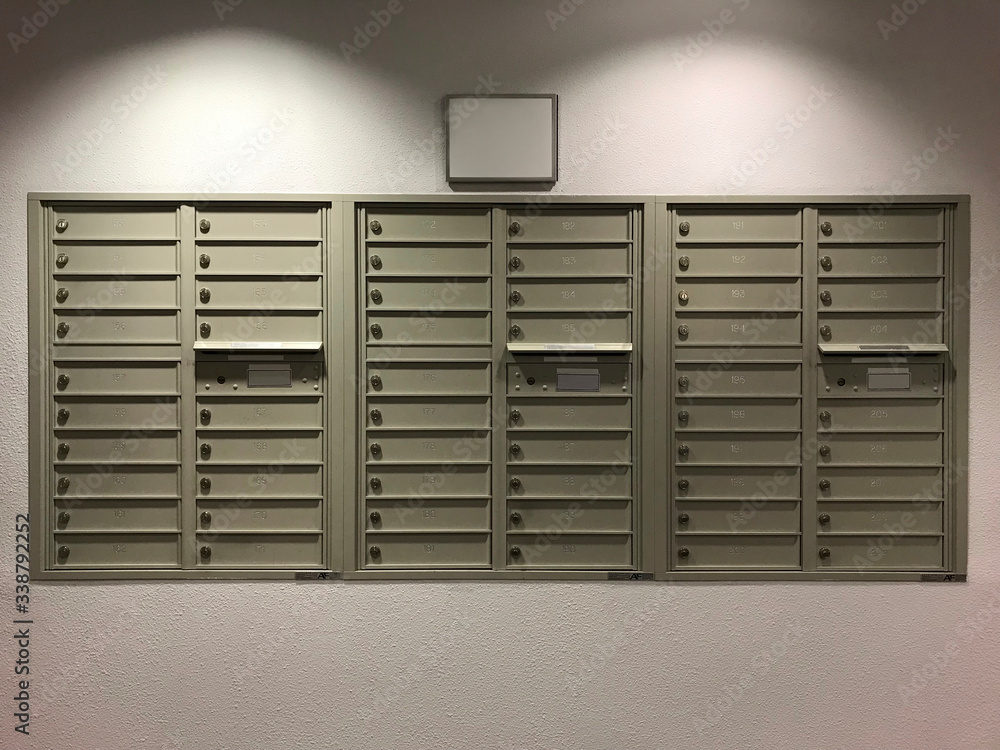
739, 414
117, 550
566, 414
890, 414
260, 223
443, 260
738, 448
116, 328
116, 412
416, 482
237, 259
567, 225
577, 260
259, 326
580, 481
258, 514
743, 225
883, 328
427, 550
568, 447
116, 447
736, 517
757, 552
569, 551
594, 327
279, 480
427, 412
879, 482
429, 294
739, 261
437, 223
261, 550
876, 448
569, 516
739, 294
114, 260
882, 552
75, 514
429, 327
117, 480
429, 514
880, 224
113, 293
259, 413
431, 378
880, 260
610, 378
261, 293
81, 222
575, 294
736, 379
887, 294
428, 446
258, 380
870, 517
876, 381
751, 483
287, 447
746, 329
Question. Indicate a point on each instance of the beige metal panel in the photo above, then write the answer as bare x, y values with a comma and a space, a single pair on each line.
114, 293
570, 260
584, 482
282, 480
426, 259
76, 514
883, 225
737, 224
116, 447
428, 514
737, 414
736, 516
429, 412
554, 550
880, 448
116, 328
259, 413
427, 446
880, 482
416, 482
755, 483
759, 552
885, 552
738, 448
725, 378
429, 327
260, 550
260, 514
569, 516
116, 480
569, 294
284, 258
882, 294
872, 517
432, 223
117, 550
427, 550
570, 414
609, 378
122, 222
115, 412
431, 378
259, 293
429, 294
891, 414
592, 327
738, 261
746, 329
259, 223
881, 328
569, 225
259, 326
258, 379
878, 380
272, 446
738, 294
880, 260
113, 259
568, 447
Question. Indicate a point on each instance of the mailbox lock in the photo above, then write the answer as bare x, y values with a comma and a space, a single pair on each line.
206, 416
826, 262
683, 382
824, 518
375, 449
64, 518
205, 294
825, 331
62, 225
515, 297
376, 261
206, 518
515, 331
824, 416
62, 294
515, 551
374, 551
824, 450
376, 295
375, 516
204, 261
683, 485
205, 329
683, 297
826, 228
62, 329
515, 482
206, 552
375, 482
683, 331
64, 483
63, 449
514, 228
683, 518
824, 484
204, 225
376, 415
514, 415
825, 297
684, 262
206, 484
515, 448
376, 381
64, 551
684, 227
824, 552
515, 518
515, 262
63, 415
376, 329
683, 450
206, 450
683, 416
62, 259
376, 226
683, 552
62, 381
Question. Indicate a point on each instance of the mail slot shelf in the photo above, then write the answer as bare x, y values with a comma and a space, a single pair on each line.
281, 549
132, 549
868, 553
429, 549
572, 551
516, 278
436, 428
114, 258
268, 222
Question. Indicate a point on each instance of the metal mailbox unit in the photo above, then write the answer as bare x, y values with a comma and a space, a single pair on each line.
499, 387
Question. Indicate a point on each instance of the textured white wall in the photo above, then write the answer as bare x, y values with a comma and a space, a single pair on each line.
644, 109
